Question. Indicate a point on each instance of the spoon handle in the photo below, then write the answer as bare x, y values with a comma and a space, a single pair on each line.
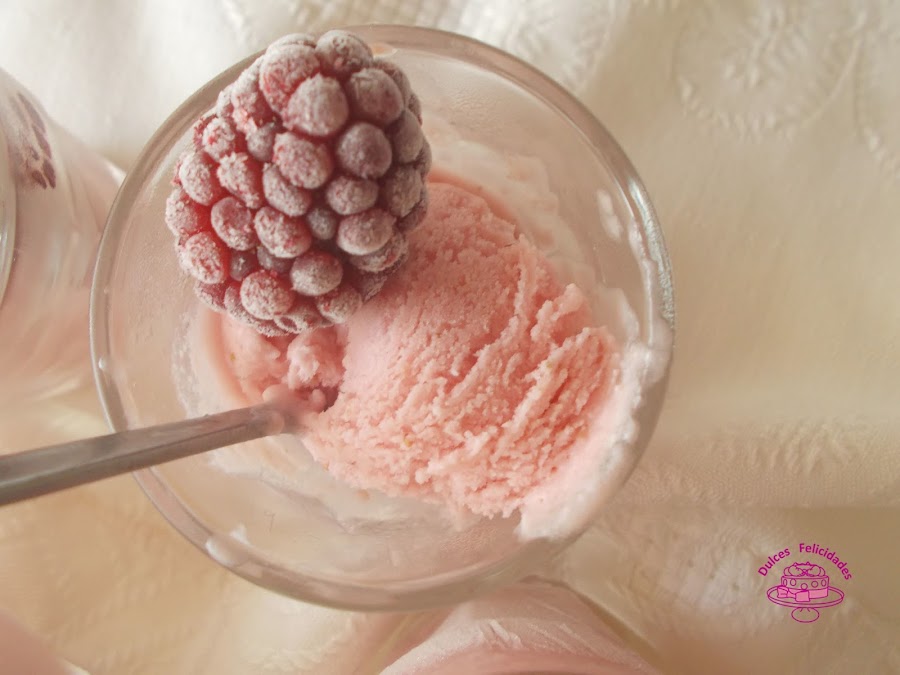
56, 467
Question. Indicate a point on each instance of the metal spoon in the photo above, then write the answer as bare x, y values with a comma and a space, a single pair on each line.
36, 472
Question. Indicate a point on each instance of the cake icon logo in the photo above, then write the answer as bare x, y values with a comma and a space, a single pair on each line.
806, 588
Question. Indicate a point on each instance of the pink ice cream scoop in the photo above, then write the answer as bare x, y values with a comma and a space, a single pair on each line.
469, 380
450, 362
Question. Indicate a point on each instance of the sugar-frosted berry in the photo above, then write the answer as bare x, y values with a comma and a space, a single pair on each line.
291, 203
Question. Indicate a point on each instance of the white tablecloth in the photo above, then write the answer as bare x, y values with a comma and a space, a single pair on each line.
768, 134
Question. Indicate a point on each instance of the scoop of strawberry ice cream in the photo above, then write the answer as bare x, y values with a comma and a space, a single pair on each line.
468, 380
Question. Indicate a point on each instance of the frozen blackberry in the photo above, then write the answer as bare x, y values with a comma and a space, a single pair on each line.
290, 207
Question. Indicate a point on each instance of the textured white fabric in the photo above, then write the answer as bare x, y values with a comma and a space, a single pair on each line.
768, 135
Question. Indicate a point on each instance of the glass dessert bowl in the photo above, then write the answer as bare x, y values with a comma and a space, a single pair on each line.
267, 510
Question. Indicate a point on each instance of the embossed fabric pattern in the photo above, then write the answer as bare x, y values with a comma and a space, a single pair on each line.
768, 135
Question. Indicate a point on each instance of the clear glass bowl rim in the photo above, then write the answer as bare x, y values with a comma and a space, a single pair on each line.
461, 584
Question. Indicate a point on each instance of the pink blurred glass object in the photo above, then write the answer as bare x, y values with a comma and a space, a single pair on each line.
22, 652
533, 626
54, 197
